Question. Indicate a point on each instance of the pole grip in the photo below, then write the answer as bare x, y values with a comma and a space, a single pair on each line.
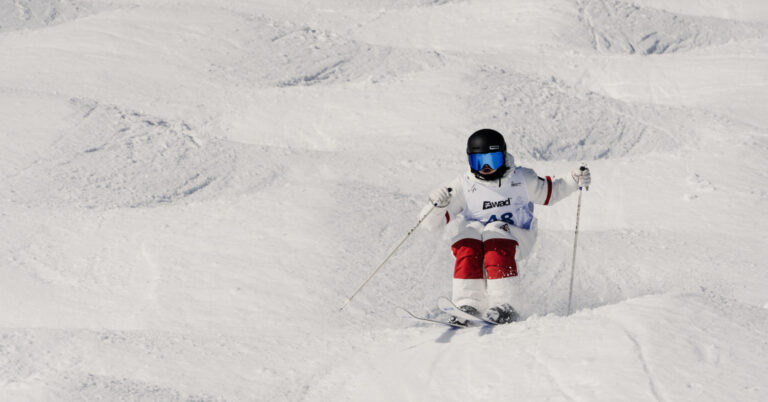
450, 190
582, 168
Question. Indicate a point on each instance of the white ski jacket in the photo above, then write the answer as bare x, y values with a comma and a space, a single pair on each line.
540, 190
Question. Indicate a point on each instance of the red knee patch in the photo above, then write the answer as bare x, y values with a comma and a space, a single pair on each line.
469, 259
500, 258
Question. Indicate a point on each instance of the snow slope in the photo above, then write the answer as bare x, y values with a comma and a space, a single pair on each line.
190, 190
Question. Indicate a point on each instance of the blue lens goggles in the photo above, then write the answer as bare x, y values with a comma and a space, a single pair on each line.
494, 160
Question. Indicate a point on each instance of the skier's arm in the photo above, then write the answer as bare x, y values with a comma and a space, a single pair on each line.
442, 214
548, 190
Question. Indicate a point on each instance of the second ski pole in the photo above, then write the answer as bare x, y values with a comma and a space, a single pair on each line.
400, 243
575, 240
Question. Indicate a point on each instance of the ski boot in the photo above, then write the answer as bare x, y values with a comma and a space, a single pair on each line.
503, 314
462, 321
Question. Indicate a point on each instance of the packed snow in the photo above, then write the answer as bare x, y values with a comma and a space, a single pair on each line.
191, 190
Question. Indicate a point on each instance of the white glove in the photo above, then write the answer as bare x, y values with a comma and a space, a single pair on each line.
440, 197
582, 177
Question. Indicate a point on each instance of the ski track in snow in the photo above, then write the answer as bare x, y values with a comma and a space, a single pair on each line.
189, 192
646, 369
621, 27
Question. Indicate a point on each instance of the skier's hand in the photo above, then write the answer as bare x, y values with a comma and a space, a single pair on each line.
582, 177
440, 197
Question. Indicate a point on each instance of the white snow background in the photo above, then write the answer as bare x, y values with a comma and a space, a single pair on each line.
190, 190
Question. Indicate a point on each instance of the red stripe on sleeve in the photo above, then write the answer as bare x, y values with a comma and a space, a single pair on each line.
549, 190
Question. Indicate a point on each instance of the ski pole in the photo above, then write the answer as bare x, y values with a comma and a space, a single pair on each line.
400, 243
575, 239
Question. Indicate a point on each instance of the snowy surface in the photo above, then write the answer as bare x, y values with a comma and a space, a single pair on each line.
190, 190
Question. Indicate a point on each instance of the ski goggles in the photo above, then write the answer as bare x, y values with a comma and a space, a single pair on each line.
494, 160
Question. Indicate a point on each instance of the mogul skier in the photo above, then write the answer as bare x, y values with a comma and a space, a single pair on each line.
492, 208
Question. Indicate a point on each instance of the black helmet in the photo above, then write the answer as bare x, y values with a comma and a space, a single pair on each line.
487, 146
486, 140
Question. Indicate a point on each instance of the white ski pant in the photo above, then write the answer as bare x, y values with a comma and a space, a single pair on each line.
487, 257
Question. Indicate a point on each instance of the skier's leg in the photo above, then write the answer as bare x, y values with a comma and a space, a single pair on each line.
500, 248
504, 247
468, 281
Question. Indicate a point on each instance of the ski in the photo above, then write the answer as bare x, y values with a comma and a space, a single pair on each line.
447, 305
431, 320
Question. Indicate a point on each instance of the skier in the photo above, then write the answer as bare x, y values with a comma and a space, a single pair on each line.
492, 209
